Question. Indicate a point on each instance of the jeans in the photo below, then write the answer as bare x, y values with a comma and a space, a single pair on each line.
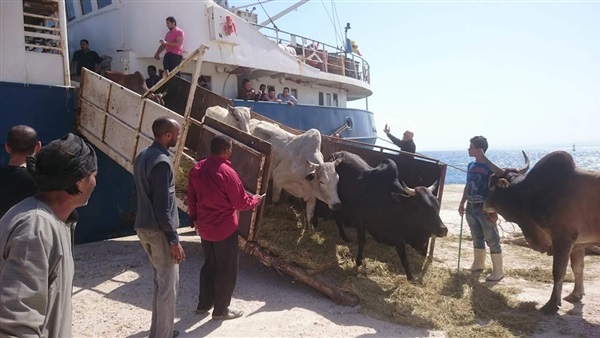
218, 274
482, 230
166, 281
170, 61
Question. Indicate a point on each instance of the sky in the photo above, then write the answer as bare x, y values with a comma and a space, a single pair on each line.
522, 74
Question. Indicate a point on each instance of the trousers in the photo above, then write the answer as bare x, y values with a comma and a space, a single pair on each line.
166, 281
218, 275
482, 230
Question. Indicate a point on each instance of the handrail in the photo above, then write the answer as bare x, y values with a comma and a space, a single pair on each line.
327, 58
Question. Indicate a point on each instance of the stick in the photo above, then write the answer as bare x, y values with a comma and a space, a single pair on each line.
460, 242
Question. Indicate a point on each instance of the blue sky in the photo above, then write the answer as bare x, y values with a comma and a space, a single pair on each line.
523, 74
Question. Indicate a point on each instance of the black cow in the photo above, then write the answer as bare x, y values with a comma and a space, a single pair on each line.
557, 206
373, 200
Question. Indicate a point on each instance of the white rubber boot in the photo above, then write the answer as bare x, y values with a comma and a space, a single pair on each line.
478, 260
497, 273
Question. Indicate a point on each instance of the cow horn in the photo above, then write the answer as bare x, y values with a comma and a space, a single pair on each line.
229, 107
337, 161
526, 167
493, 167
433, 187
408, 190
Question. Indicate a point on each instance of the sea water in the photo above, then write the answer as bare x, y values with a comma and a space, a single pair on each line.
585, 157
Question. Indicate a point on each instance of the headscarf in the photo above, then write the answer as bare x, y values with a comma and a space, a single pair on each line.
62, 163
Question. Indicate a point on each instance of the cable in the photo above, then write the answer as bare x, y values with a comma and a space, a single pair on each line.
263, 7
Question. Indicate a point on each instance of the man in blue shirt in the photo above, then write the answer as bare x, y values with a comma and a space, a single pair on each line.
483, 226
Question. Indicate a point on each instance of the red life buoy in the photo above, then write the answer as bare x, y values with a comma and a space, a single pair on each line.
230, 26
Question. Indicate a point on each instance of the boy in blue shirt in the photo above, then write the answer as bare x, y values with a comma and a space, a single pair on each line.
483, 225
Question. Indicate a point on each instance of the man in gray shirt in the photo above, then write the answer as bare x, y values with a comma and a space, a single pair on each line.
157, 221
36, 260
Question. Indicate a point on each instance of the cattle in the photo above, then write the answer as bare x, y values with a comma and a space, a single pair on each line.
238, 117
297, 166
134, 82
374, 200
556, 207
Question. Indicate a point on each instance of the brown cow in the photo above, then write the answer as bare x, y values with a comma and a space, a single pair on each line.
134, 82
557, 206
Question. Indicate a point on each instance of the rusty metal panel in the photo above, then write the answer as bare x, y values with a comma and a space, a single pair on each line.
251, 158
413, 169
94, 89
125, 105
142, 143
92, 119
121, 138
152, 111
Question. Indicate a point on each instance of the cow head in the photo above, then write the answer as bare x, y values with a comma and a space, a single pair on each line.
241, 116
421, 206
325, 180
499, 185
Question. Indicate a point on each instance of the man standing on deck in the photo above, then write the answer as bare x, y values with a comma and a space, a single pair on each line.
36, 264
215, 194
156, 223
16, 183
85, 58
173, 44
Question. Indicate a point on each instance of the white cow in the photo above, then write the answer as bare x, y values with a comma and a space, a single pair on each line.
237, 117
298, 167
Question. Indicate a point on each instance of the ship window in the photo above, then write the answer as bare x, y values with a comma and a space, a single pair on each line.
70, 10
335, 100
104, 3
294, 93
321, 100
328, 99
186, 76
86, 6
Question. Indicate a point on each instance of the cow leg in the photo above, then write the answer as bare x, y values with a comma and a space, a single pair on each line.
362, 239
577, 258
339, 221
310, 212
561, 251
401, 250
276, 191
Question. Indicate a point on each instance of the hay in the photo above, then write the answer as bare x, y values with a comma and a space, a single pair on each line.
440, 299
181, 180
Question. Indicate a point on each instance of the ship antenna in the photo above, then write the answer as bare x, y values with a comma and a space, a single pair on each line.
274, 25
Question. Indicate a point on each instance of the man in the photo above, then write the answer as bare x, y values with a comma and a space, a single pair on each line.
406, 143
16, 183
153, 78
157, 221
173, 44
36, 264
287, 97
202, 82
248, 93
271, 97
483, 225
86, 58
215, 194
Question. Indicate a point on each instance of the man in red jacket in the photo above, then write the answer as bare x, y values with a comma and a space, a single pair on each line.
215, 194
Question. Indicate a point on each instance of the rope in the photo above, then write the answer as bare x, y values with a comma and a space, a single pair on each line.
263, 7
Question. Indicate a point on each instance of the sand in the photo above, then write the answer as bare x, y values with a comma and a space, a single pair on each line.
113, 288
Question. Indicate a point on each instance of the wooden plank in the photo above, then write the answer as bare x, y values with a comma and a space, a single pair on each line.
92, 119
43, 47
316, 282
41, 16
152, 111
42, 27
95, 89
120, 137
42, 35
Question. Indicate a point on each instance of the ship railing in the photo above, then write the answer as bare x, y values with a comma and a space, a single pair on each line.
45, 30
327, 58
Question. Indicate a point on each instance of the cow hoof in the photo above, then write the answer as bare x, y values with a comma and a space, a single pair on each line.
572, 298
549, 309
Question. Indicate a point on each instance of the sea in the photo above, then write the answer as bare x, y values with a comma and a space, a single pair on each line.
587, 157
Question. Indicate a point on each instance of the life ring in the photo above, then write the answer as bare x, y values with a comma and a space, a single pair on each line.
230, 27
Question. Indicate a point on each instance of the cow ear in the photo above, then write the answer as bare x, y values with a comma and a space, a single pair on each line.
311, 176
503, 183
399, 197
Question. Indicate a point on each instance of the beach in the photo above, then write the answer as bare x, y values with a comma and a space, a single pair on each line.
113, 288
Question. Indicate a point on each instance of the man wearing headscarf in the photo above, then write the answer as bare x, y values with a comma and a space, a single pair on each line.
36, 261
